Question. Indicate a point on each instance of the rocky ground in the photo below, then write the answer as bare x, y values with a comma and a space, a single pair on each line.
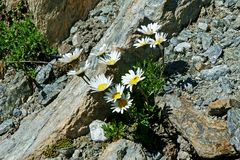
202, 89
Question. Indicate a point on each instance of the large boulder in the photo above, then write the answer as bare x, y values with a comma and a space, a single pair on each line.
208, 136
55, 18
75, 108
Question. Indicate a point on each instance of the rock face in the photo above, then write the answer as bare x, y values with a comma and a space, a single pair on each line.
55, 18
74, 108
14, 93
209, 137
123, 149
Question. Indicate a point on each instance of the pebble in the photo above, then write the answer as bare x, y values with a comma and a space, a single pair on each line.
44, 74
203, 26
73, 30
214, 73
76, 39
206, 40
76, 153
213, 53
16, 112
96, 131
181, 47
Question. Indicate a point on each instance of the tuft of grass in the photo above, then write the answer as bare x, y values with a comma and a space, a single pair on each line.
51, 151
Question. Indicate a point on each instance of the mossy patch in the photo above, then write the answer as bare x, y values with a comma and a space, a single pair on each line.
51, 151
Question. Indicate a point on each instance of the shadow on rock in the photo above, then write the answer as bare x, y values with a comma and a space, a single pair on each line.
176, 67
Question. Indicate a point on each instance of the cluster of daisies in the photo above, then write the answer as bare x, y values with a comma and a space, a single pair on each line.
150, 30
118, 95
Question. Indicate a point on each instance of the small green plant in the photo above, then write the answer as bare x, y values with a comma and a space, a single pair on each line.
21, 43
51, 151
115, 130
154, 79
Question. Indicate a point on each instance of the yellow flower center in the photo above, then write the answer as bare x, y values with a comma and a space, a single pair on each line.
159, 41
111, 62
134, 80
122, 103
116, 96
142, 43
102, 86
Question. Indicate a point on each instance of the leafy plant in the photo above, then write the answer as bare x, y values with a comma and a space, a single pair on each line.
21, 42
115, 130
154, 80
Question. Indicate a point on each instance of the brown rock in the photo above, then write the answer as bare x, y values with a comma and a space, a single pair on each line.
220, 107
209, 137
54, 18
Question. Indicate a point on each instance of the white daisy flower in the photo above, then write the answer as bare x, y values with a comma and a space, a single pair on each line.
102, 50
159, 39
150, 29
100, 83
80, 70
131, 78
142, 42
111, 59
115, 93
69, 57
122, 104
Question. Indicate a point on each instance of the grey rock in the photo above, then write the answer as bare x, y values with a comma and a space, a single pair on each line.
182, 155
185, 35
67, 152
76, 154
236, 42
226, 85
174, 41
233, 119
73, 30
219, 3
229, 3
203, 26
124, 150
169, 50
102, 19
236, 23
237, 5
15, 93
16, 112
214, 73
182, 47
106, 10
76, 39
226, 42
5, 126
213, 53
96, 131
44, 74
50, 91
206, 41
